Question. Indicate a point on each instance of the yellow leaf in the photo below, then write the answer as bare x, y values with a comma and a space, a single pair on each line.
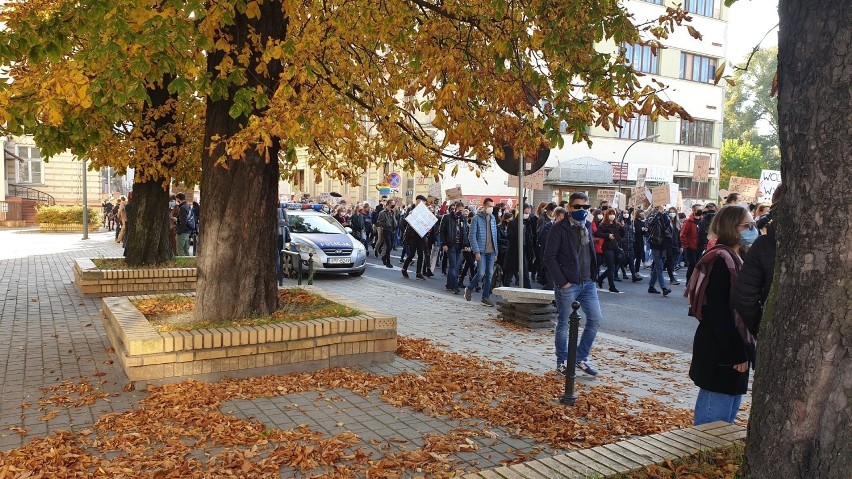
252, 10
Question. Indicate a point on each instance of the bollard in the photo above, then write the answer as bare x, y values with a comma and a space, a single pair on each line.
569, 398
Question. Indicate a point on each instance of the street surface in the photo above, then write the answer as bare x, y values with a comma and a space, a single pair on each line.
635, 314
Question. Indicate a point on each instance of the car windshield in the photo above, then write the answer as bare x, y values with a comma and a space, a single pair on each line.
321, 224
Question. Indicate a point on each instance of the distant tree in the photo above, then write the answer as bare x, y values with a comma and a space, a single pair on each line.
741, 158
749, 104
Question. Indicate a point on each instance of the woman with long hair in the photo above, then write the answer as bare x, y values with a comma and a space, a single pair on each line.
723, 347
610, 232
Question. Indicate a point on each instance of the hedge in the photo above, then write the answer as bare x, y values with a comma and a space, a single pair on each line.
64, 215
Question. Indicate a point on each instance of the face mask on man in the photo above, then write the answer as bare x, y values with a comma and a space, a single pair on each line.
611, 217
488, 210
172, 204
698, 213
579, 215
526, 216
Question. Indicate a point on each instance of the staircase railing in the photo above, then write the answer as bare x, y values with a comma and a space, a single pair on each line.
19, 191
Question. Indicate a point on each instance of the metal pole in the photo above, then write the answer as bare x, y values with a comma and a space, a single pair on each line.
569, 398
521, 221
85, 205
621, 165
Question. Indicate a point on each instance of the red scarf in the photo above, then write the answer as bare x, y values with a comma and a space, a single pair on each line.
696, 291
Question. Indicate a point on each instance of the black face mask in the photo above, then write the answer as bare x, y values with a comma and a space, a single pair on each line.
698, 213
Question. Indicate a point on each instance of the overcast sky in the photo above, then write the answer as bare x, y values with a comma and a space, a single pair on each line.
749, 20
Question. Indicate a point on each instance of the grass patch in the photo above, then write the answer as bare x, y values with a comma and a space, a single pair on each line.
119, 263
721, 463
173, 312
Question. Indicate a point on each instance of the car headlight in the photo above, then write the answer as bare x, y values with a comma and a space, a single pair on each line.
358, 247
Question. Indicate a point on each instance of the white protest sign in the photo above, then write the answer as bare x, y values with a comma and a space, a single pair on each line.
421, 219
435, 190
534, 181
769, 181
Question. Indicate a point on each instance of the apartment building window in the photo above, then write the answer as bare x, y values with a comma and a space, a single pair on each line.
696, 133
655, 2
30, 167
707, 8
697, 68
641, 58
637, 128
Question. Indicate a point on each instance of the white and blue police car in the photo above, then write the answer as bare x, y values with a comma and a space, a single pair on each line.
317, 236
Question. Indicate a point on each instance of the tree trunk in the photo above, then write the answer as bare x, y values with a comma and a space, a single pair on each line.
801, 419
148, 239
148, 225
236, 263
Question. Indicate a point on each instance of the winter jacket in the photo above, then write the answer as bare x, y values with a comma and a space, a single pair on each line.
185, 219
598, 242
477, 233
755, 280
603, 232
666, 224
560, 254
510, 262
357, 222
629, 239
689, 233
387, 220
449, 227
717, 346
704, 230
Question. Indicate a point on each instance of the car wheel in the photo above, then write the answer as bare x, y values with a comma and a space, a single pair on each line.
356, 273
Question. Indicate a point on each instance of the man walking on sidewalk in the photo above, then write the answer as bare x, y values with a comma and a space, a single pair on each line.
569, 256
454, 235
483, 244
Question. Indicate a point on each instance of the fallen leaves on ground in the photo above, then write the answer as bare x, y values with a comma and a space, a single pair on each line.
71, 394
174, 420
722, 463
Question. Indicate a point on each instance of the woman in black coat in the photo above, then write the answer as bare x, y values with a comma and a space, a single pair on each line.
723, 347
640, 230
611, 233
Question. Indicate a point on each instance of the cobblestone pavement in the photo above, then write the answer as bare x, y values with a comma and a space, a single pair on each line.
52, 335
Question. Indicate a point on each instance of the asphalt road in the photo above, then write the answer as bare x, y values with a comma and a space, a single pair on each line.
633, 314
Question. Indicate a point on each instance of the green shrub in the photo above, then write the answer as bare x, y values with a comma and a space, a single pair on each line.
64, 215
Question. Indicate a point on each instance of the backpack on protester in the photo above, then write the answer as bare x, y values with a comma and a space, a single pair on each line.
656, 235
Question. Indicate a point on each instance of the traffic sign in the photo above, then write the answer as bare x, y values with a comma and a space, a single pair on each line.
394, 180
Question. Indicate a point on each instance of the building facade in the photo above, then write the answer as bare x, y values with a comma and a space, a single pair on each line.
27, 180
687, 66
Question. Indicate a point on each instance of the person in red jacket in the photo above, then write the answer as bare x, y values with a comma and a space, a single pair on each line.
689, 239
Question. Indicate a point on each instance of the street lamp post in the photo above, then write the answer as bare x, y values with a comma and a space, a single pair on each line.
621, 165
85, 204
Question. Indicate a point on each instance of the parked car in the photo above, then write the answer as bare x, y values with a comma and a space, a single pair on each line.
319, 237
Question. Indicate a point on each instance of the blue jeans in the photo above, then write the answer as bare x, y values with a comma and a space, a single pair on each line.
587, 295
712, 407
454, 254
485, 266
657, 269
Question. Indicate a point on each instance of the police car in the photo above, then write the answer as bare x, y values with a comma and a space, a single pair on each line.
317, 236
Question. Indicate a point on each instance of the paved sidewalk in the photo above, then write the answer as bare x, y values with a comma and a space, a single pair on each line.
54, 338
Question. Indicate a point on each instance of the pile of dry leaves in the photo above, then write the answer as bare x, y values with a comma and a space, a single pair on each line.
174, 420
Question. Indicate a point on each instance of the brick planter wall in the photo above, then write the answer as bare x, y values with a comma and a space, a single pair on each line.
211, 354
91, 281
66, 228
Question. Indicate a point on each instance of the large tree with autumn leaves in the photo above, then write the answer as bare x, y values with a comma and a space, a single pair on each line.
349, 80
